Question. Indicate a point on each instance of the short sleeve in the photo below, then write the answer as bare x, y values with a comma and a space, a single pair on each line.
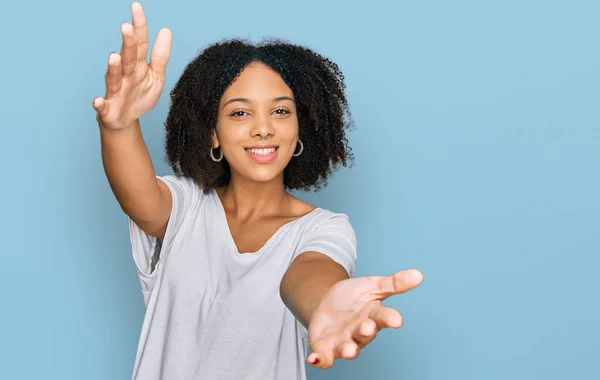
148, 251
335, 238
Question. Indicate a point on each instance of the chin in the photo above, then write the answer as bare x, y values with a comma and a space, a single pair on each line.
262, 175
265, 177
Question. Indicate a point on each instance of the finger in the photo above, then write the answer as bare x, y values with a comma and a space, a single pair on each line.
128, 49
140, 27
113, 76
399, 282
321, 359
364, 332
347, 350
385, 317
161, 52
101, 106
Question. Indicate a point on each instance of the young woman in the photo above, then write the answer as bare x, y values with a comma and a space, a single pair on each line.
238, 276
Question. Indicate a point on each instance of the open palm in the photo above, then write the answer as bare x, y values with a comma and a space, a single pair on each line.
350, 315
133, 86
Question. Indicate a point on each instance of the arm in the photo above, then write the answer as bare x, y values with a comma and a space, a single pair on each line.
342, 314
130, 173
307, 280
133, 88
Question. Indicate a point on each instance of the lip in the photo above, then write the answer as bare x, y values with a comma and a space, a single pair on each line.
261, 147
262, 159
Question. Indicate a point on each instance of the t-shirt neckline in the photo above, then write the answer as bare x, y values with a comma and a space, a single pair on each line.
224, 225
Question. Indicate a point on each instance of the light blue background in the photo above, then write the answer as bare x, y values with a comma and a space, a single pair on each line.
477, 149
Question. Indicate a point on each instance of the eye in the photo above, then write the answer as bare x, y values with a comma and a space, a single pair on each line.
281, 111
238, 113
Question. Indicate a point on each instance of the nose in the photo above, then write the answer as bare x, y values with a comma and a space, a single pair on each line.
263, 126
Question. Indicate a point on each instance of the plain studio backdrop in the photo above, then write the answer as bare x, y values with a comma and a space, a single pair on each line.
477, 144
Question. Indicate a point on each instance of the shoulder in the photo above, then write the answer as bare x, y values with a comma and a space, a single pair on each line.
316, 216
179, 181
329, 233
321, 221
182, 184
184, 191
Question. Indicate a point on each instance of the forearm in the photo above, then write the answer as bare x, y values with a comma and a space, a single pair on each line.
307, 281
130, 172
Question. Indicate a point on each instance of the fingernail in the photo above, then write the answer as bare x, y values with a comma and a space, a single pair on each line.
315, 361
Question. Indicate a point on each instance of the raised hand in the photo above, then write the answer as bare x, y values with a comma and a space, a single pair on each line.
133, 86
350, 315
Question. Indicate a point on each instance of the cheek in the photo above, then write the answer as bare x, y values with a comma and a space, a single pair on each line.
229, 136
289, 129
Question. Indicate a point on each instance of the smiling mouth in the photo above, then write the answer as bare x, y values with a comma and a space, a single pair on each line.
261, 151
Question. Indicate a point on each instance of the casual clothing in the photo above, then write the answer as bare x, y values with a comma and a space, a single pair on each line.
213, 313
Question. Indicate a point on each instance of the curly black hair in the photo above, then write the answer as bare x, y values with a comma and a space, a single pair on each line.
322, 109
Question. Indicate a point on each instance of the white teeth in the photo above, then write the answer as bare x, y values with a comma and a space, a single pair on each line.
262, 152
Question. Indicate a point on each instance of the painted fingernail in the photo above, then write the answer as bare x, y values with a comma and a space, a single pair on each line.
315, 361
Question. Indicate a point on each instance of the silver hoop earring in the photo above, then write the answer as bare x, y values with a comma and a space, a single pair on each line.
301, 149
212, 155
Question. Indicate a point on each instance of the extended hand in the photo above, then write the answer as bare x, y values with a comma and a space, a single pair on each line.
350, 315
133, 86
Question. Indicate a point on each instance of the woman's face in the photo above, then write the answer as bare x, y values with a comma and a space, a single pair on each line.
257, 126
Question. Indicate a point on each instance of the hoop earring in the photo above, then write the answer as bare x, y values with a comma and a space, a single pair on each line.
301, 149
212, 155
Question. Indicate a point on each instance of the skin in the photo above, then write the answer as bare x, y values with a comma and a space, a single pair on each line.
343, 315
257, 110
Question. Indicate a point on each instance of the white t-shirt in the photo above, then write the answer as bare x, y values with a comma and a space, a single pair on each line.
213, 313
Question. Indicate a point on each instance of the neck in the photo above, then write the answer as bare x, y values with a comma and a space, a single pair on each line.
251, 200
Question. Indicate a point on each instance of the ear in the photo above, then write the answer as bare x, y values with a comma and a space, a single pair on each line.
215, 139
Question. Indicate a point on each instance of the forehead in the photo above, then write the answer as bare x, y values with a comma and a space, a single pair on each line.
257, 81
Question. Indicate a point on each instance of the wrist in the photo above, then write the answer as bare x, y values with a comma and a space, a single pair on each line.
123, 127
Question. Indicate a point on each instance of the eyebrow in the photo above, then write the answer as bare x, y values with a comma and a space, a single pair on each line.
246, 100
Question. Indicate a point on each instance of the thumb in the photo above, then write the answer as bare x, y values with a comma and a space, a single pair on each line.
101, 106
399, 282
